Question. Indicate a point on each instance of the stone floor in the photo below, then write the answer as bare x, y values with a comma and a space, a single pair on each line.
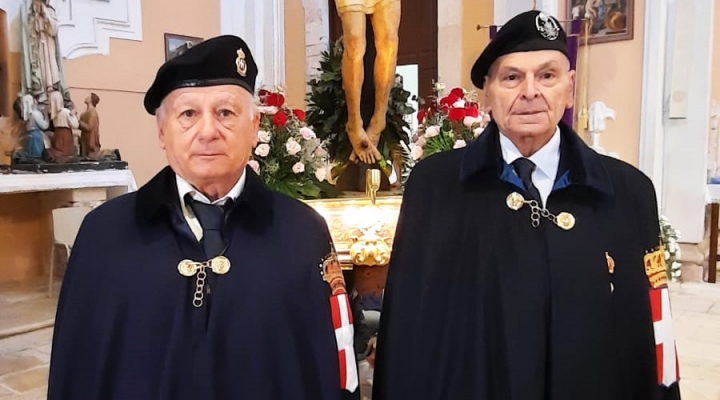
24, 357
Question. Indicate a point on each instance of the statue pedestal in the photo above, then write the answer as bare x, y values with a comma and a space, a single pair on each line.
26, 204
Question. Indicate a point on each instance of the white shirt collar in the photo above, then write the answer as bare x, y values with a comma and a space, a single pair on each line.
547, 158
184, 188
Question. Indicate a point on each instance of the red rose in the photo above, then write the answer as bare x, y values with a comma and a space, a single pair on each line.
456, 114
471, 110
275, 100
458, 92
421, 115
449, 100
299, 114
280, 119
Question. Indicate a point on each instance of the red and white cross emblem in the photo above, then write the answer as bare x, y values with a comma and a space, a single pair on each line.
344, 332
667, 363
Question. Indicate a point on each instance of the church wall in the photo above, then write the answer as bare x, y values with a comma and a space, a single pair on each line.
615, 78
120, 79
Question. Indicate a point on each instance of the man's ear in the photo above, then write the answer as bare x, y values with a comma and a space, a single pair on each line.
486, 96
256, 128
161, 135
571, 90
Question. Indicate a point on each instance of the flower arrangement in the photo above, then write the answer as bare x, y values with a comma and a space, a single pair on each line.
449, 122
289, 157
669, 239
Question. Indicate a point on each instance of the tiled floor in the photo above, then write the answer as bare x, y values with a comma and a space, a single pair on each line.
24, 358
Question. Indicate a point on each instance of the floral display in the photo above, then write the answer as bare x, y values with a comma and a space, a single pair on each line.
448, 122
289, 157
669, 239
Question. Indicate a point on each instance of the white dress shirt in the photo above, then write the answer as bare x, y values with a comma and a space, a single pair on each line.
184, 188
546, 159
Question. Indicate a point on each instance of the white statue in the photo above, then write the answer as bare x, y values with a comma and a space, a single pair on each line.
42, 69
598, 112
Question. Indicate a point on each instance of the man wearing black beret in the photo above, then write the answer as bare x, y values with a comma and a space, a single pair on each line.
526, 266
204, 284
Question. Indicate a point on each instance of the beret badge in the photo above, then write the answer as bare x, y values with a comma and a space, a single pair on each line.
547, 26
241, 63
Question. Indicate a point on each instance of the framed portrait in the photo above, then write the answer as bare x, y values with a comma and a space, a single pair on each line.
178, 44
607, 20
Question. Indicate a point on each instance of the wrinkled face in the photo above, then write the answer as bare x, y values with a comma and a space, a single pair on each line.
208, 133
528, 92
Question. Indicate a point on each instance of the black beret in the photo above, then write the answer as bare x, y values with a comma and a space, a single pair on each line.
222, 60
530, 31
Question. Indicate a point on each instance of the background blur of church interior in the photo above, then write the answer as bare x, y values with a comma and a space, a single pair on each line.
73, 134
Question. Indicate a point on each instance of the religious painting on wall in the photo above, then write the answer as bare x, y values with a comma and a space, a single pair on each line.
178, 44
609, 20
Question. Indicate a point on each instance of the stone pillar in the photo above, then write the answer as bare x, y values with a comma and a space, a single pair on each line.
262, 25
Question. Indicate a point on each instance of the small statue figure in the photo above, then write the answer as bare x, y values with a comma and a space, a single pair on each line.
41, 69
90, 128
35, 124
62, 144
598, 113
385, 15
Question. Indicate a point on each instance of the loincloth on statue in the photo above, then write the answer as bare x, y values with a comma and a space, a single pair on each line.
364, 6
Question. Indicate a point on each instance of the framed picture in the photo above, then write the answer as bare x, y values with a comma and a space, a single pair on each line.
178, 44
608, 20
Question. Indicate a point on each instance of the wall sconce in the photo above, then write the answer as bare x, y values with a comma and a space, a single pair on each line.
362, 228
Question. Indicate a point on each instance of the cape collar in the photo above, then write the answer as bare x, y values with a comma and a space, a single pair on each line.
254, 205
583, 165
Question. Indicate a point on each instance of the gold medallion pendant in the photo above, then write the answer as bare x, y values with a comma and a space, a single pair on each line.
220, 265
515, 201
187, 268
564, 220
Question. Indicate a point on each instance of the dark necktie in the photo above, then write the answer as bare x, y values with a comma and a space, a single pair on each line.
524, 169
212, 219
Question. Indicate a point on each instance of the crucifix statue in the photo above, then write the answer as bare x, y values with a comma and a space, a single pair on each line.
385, 17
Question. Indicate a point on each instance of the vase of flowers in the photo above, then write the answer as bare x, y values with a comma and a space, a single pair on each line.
289, 157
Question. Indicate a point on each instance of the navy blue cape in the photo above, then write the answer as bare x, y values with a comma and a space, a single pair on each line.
126, 327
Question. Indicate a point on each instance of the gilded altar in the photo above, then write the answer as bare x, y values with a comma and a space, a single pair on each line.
362, 231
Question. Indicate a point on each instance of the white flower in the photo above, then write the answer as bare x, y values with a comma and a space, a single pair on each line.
416, 152
470, 121
307, 133
459, 144
269, 110
459, 104
263, 136
439, 87
432, 130
321, 174
254, 165
477, 131
420, 141
262, 150
292, 147
298, 168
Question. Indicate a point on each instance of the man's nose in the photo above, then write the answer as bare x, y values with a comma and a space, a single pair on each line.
207, 126
529, 88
